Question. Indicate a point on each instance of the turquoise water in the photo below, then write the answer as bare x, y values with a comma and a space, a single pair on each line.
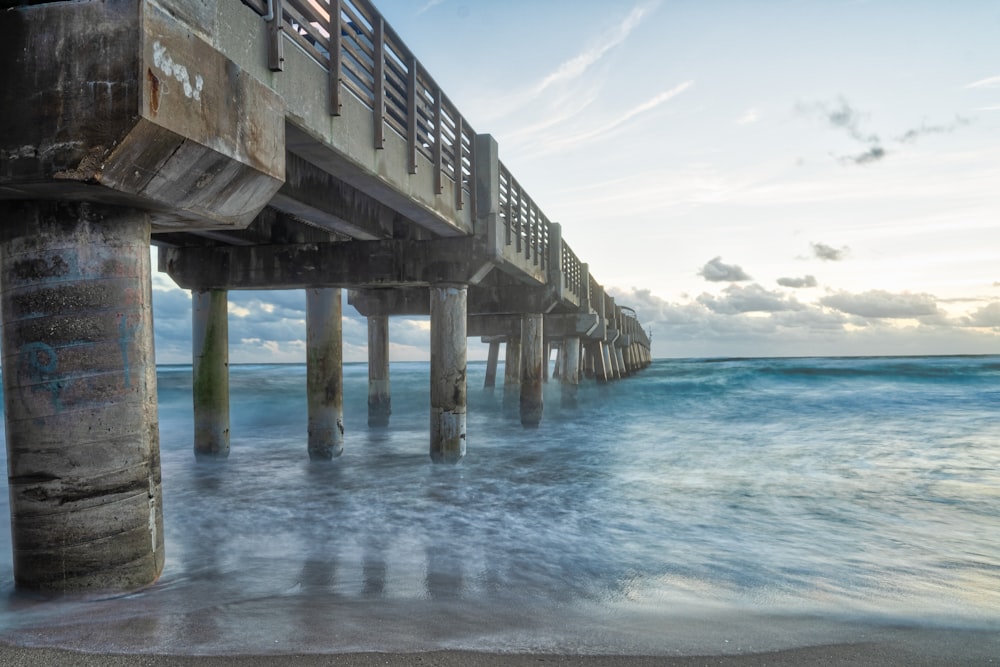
721, 494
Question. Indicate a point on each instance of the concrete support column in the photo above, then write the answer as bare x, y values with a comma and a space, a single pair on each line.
620, 356
449, 310
570, 377
602, 361
79, 386
532, 364
546, 358
491, 364
325, 373
210, 371
512, 374
379, 398
588, 361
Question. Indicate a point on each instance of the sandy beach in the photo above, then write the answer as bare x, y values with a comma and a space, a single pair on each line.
903, 646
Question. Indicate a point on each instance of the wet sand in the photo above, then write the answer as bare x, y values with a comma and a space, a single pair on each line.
910, 646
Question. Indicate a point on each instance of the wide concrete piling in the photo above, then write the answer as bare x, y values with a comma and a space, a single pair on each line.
570, 372
512, 375
379, 398
79, 380
210, 371
532, 375
448, 309
324, 373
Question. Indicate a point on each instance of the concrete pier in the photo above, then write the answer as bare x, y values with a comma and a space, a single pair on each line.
448, 309
79, 378
512, 374
324, 371
569, 376
532, 365
379, 398
210, 372
491, 364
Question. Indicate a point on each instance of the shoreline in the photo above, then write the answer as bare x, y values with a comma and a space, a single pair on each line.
874, 654
880, 647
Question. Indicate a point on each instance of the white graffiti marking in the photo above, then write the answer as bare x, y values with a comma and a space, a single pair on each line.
166, 64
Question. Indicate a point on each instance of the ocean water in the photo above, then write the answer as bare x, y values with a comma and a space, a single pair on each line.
762, 502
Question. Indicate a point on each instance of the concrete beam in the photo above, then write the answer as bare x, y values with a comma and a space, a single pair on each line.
315, 195
350, 264
118, 102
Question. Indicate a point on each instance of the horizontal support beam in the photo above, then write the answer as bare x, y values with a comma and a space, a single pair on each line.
348, 264
314, 195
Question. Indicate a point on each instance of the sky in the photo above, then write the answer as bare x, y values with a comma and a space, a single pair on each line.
766, 178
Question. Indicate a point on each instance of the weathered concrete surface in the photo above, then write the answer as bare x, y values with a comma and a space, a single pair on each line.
83, 459
532, 374
118, 102
210, 373
491, 364
448, 372
569, 375
512, 373
324, 370
299, 266
339, 144
379, 398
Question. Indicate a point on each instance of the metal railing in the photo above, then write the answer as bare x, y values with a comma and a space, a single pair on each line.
526, 229
366, 57
572, 272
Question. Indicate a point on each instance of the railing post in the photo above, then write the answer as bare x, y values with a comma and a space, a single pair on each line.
438, 141
584, 288
411, 115
459, 151
486, 172
336, 56
275, 43
378, 112
556, 275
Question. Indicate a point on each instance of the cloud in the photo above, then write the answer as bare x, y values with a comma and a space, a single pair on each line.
990, 82
879, 304
749, 116
873, 154
829, 253
576, 66
912, 135
606, 128
987, 316
750, 299
805, 281
430, 4
841, 115
716, 271
692, 329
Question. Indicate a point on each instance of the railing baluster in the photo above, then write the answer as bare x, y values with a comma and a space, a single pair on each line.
336, 55
378, 112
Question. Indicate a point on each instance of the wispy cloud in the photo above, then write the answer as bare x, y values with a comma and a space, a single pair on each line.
430, 4
637, 110
581, 62
942, 128
989, 82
